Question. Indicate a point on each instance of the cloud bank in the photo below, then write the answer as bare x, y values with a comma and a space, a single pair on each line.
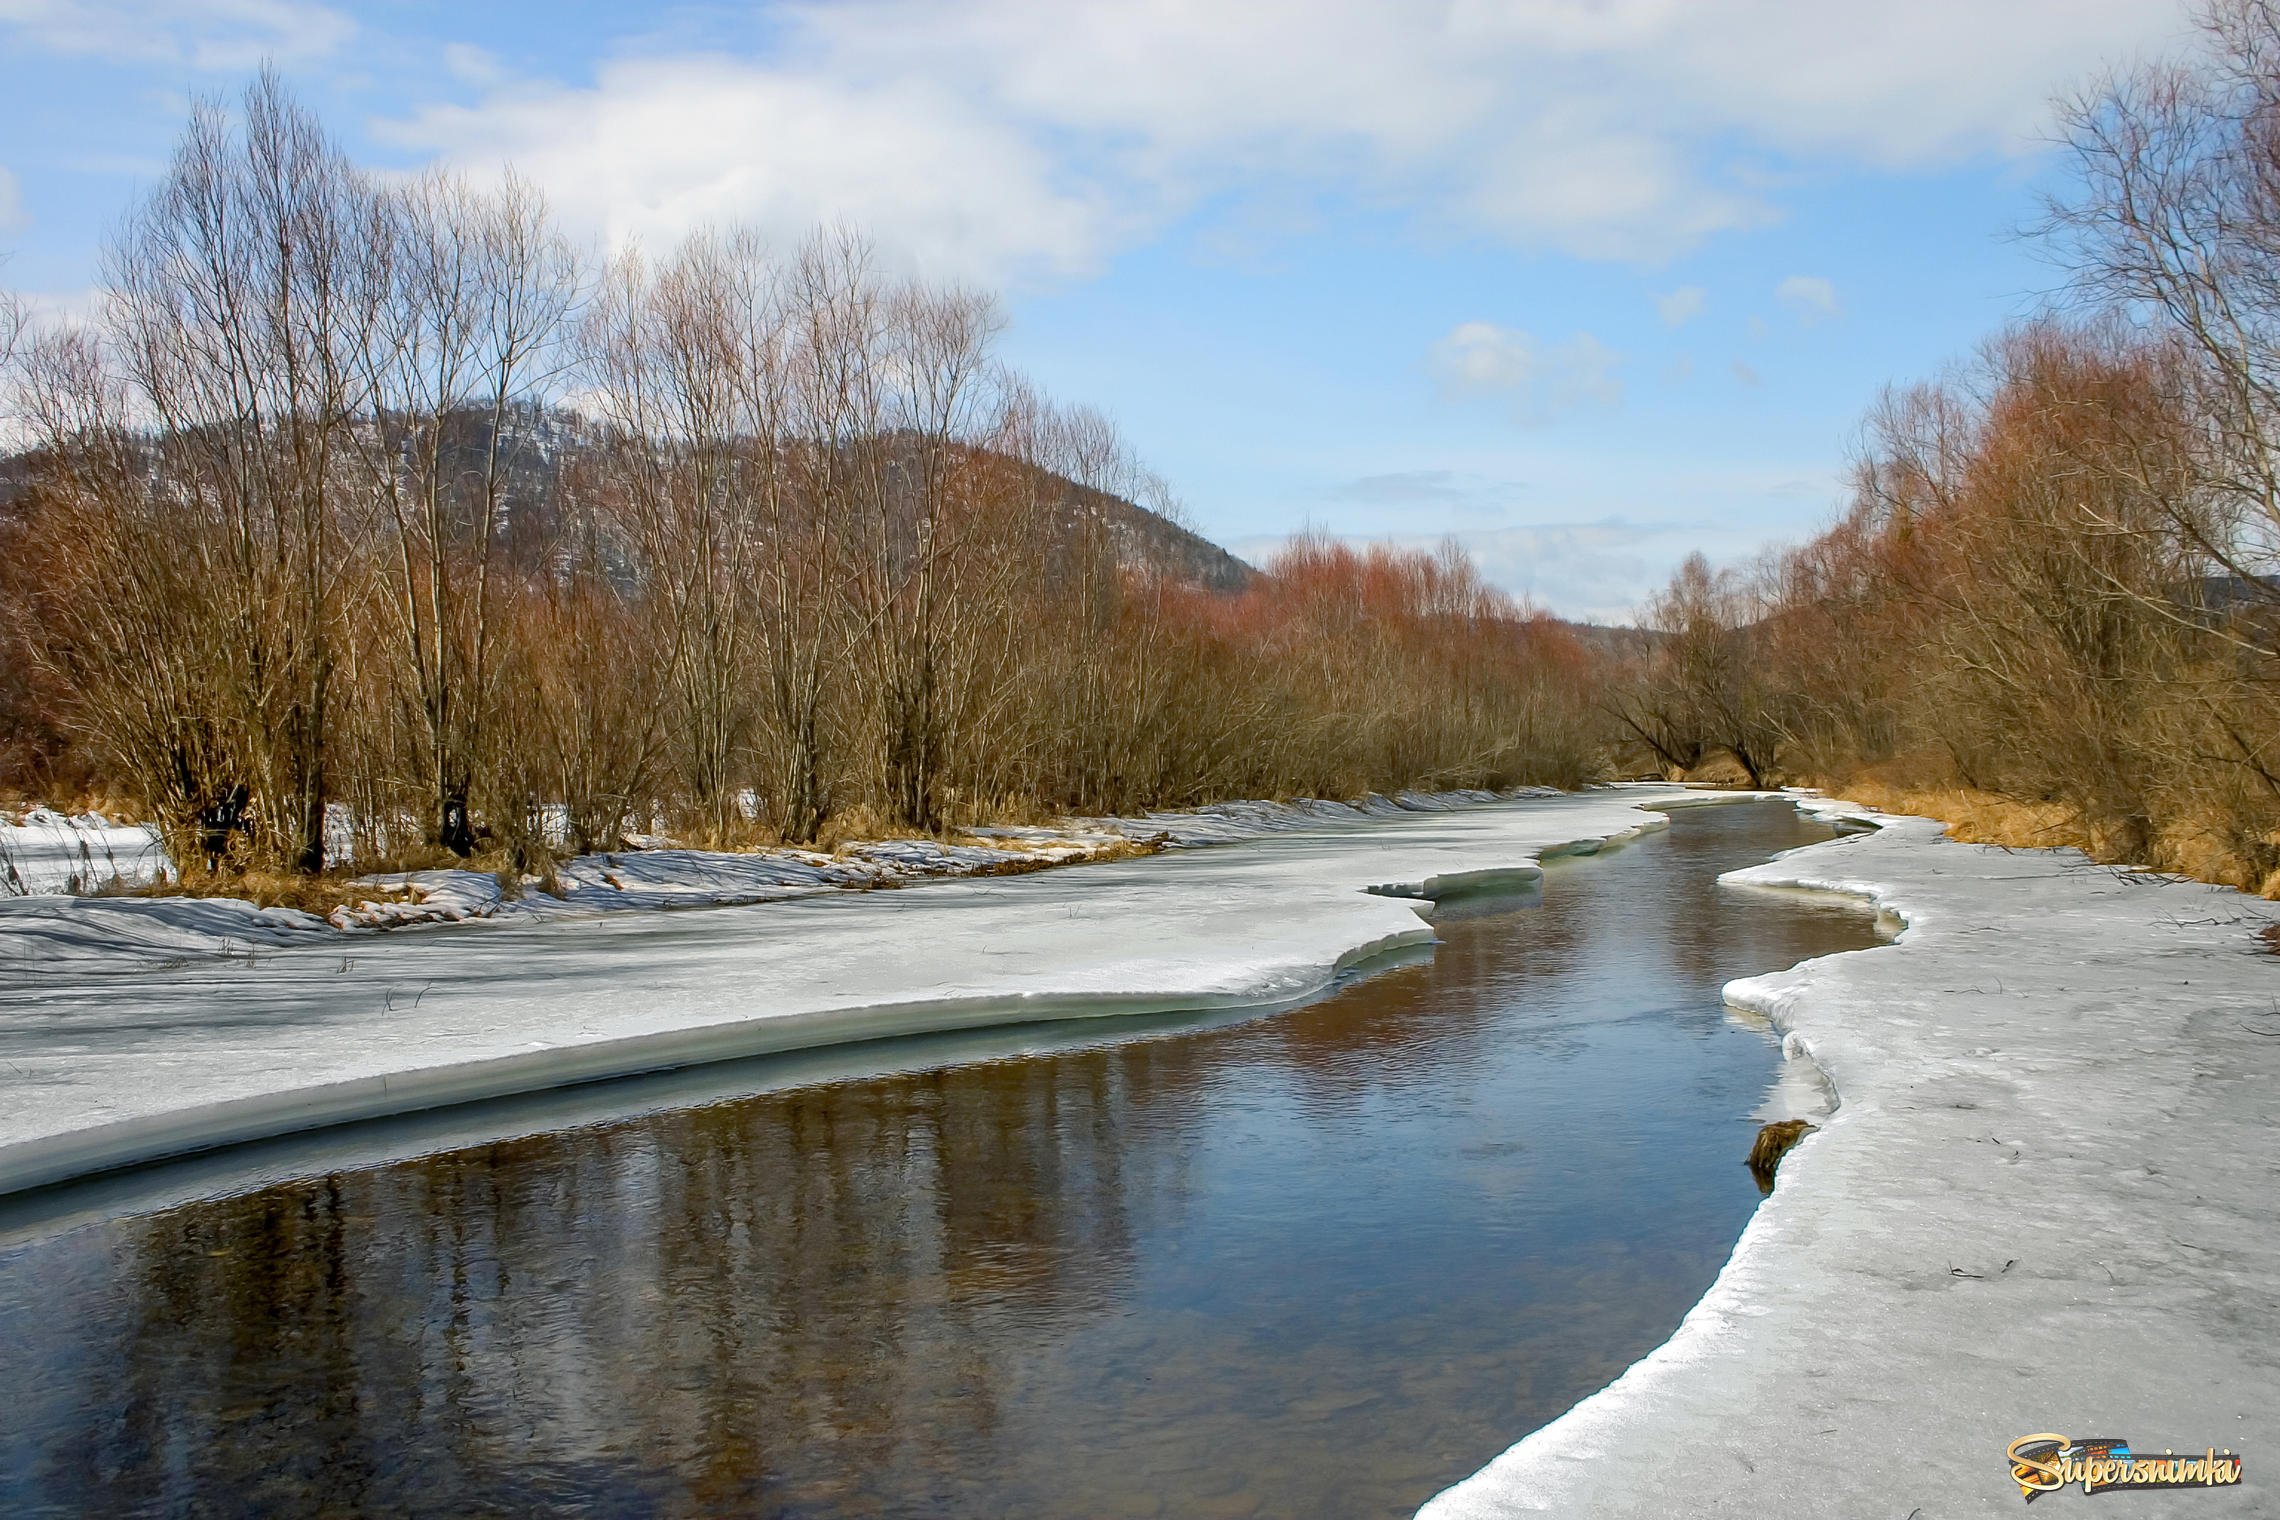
206, 35
1005, 139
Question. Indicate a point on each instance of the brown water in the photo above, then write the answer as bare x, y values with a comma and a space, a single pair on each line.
1320, 1263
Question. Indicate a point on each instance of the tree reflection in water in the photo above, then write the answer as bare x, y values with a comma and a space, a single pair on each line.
1323, 1262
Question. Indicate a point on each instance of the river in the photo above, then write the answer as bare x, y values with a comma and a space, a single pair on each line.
1320, 1262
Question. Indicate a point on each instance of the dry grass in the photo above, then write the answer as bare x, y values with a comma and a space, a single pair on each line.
1720, 769
345, 887
2201, 852
2189, 849
267, 889
1774, 1141
1973, 816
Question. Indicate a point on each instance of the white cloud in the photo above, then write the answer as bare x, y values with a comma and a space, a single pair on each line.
229, 36
1747, 374
1001, 135
1681, 306
1811, 297
469, 64
1538, 379
657, 148
1598, 192
12, 217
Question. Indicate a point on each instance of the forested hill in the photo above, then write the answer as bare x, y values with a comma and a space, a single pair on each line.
1149, 540
548, 450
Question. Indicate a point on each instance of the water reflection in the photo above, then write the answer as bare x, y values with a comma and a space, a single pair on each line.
1319, 1263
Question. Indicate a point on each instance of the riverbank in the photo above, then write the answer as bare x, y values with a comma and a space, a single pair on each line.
88, 900
2042, 1204
162, 1053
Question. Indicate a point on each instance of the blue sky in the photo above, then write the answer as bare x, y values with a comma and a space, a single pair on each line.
1584, 283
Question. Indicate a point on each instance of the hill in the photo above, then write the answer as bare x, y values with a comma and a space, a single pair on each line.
545, 447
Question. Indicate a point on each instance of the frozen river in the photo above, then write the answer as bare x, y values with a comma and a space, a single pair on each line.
1325, 1261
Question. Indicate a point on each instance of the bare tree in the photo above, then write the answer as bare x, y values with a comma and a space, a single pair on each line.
2173, 220
924, 536
1696, 686
662, 349
14, 321
480, 293
831, 477
242, 294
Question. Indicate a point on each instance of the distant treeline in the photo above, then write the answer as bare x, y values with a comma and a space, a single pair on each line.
2054, 588
370, 500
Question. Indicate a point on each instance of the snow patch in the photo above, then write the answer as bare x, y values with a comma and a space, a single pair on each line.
42, 850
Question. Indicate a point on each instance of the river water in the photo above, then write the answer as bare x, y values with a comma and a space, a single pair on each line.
1323, 1262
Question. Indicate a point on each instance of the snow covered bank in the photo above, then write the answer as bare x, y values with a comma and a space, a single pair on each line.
2045, 1202
42, 850
677, 878
311, 1027
43, 938
97, 932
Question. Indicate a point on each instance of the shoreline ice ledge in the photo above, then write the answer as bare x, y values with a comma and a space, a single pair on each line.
2045, 1201
101, 1070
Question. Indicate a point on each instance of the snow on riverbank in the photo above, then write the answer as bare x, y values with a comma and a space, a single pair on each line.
159, 1056
677, 878
54, 927
2045, 1202
43, 851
